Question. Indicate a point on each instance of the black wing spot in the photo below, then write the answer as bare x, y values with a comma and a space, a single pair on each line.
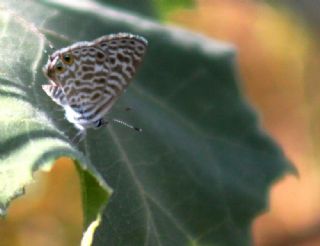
100, 55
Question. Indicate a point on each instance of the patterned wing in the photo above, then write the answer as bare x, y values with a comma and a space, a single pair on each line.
125, 53
92, 75
56, 94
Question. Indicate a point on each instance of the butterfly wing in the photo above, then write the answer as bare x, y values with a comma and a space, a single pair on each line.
56, 94
124, 54
102, 71
88, 77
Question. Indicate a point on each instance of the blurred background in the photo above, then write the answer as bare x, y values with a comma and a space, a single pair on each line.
278, 60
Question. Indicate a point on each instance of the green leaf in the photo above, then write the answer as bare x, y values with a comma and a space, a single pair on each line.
165, 7
30, 140
199, 172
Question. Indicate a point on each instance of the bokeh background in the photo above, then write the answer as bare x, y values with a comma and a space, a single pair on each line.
279, 60
278, 56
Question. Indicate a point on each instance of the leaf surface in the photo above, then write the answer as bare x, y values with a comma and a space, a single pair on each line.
201, 169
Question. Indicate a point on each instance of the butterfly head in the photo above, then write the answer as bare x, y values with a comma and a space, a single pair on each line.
58, 63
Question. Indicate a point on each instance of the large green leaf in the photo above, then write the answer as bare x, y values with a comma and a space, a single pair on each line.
30, 140
198, 173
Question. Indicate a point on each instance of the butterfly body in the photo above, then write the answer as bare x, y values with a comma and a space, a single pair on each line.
86, 78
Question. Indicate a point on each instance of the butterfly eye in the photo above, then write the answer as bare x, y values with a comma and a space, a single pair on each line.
67, 58
59, 68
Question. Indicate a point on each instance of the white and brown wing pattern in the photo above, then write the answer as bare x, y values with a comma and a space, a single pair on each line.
56, 93
123, 54
92, 75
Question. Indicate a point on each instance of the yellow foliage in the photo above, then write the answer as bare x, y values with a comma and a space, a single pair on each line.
49, 214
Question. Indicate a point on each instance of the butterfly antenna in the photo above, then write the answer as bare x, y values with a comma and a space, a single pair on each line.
127, 125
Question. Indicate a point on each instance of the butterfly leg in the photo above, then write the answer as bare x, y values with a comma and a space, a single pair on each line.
79, 137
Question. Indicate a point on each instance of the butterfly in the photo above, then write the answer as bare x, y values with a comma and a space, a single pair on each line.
87, 78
